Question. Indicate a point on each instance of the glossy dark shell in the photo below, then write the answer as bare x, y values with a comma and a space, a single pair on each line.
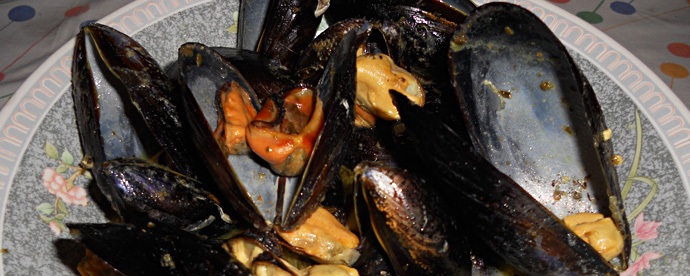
155, 251
314, 57
166, 197
202, 72
250, 23
336, 89
265, 75
412, 222
501, 215
533, 115
124, 104
289, 26
454, 10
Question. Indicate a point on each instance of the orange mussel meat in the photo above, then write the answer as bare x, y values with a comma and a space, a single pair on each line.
284, 135
237, 113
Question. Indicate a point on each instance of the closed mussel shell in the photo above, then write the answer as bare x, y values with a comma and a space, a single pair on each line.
412, 223
163, 196
155, 250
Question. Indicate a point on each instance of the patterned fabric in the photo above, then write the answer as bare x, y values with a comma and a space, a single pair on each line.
656, 32
31, 30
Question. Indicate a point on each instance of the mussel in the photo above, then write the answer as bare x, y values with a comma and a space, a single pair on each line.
534, 116
151, 251
158, 196
479, 172
166, 197
412, 222
277, 199
125, 106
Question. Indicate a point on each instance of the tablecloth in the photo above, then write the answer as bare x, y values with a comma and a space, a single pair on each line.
657, 32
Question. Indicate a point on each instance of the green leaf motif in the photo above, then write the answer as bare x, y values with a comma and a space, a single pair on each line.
67, 157
45, 208
60, 216
51, 151
62, 225
70, 184
62, 209
61, 169
88, 175
45, 218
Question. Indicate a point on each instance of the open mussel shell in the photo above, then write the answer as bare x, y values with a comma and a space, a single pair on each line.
123, 104
499, 214
247, 185
155, 250
533, 115
265, 75
336, 89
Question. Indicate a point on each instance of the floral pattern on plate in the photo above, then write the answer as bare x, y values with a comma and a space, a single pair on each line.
65, 191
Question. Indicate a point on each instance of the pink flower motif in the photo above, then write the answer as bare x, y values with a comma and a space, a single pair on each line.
645, 230
57, 185
75, 196
53, 181
641, 264
55, 228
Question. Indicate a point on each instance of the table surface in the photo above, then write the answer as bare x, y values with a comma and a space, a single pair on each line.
654, 31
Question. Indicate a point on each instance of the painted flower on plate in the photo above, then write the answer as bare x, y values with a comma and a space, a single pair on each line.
641, 264
57, 185
55, 227
645, 230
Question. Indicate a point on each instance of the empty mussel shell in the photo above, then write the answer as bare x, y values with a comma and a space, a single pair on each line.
534, 116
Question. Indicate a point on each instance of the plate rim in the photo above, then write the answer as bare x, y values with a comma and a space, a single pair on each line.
23, 113
19, 124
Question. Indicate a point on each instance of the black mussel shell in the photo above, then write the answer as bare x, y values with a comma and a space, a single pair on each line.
289, 26
265, 75
336, 89
534, 116
202, 72
499, 214
250, 23
412, 223
314, 57
155, 250
166, 197
124, 104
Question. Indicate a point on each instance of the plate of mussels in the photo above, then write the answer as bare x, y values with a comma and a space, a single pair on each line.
383, 137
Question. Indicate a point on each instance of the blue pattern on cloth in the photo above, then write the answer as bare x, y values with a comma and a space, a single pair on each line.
32, 30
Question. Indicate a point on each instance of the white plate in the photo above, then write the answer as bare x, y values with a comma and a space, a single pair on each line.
38, 131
